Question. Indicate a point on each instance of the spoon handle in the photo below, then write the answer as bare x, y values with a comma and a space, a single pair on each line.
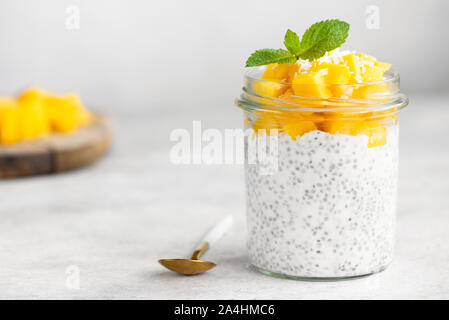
213, 236
217, 232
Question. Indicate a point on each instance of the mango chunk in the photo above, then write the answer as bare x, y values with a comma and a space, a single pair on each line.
33, 120
377, 136
376, 132
292, 71
366, 57
383, 65
83, 116
298, 128
8, 121
353, 63
367, 91
5, 104
9, 130
337, 75
277, 76
350, 127
61, 114
280, 72
269, 89
32, 94
66, 112
266, 122
311, 84
373, 73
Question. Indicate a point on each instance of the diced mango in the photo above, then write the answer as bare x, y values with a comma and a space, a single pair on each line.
383, 65
353, 63
366, 57
61, 114
290, 100
288, 96
374, 130
351, 77
298, 128
277, 77
32, 95
373, 73
337, 76
336, 73
350, 127
269, 89
36, 112
83, 116
292, 71
367, 91
377, 136
9, 131
5, 104
66, 112
316, 117
269, 71
311, 84
33, 120
280, 72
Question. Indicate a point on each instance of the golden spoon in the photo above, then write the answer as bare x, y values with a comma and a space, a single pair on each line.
194, 265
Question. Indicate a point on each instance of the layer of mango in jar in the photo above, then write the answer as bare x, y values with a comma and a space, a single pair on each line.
324, 78
36, 113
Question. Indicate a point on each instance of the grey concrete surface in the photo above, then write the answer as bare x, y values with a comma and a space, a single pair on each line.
114, 219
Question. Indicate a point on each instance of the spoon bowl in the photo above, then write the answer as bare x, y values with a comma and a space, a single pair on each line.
187, 266
194, 265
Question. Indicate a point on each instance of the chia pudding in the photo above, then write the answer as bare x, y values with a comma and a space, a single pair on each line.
329, 209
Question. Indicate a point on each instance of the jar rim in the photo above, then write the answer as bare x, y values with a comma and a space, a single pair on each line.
255, 73
384, 101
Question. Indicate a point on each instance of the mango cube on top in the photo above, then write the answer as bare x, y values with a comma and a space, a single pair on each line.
311, 84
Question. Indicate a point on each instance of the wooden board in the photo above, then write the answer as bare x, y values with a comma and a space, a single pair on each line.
57, 152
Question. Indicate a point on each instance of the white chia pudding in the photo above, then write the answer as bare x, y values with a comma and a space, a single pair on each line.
328, 211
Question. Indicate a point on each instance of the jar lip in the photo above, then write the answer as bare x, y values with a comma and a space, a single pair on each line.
392, 99
254, 74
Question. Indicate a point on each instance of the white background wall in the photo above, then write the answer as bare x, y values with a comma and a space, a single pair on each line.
133, 54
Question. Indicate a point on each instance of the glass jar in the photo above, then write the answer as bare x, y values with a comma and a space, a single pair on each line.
321, 177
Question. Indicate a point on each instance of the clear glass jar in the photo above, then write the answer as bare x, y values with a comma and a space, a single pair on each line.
324, 205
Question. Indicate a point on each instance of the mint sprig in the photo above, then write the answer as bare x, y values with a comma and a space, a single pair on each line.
320, 38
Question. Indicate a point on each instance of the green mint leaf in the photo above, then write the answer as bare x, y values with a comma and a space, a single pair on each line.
322, 37
267, 56
291, 59
291, 42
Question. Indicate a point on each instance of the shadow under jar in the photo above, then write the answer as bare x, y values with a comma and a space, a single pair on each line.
324, 204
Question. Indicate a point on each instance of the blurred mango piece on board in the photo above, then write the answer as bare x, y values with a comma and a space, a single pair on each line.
36, 113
